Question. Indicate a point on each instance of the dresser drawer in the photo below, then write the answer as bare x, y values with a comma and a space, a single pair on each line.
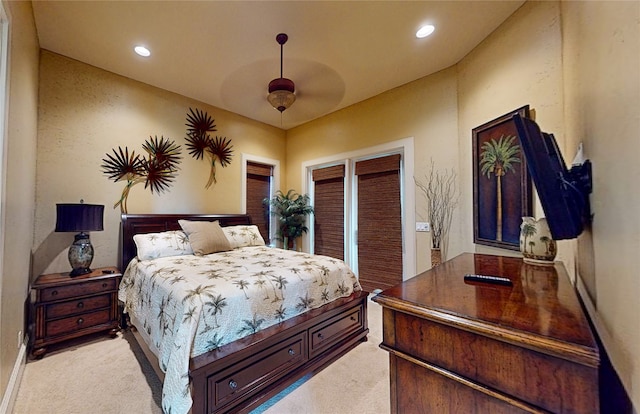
76, 323
258, 370
335, 329
73, 307
78, 289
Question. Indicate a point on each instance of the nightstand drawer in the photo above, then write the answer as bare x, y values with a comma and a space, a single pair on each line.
75, 323
74, 307
75, 290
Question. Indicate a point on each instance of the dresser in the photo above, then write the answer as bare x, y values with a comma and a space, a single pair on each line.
476, 347
66, 307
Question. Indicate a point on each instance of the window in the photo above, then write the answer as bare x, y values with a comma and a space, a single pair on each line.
328, 203
379, 215
396, 160
258, 187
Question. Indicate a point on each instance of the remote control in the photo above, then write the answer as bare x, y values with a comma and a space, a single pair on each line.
499, 280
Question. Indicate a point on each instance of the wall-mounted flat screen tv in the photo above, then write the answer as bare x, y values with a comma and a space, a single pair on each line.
564, 193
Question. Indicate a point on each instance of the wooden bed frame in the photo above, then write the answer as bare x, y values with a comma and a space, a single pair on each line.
243, 374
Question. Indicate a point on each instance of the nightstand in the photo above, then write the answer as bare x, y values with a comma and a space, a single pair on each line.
68, 307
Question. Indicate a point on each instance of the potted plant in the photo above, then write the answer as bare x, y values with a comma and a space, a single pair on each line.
292, 210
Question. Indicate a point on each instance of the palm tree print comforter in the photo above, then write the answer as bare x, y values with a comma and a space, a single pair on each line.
189, 305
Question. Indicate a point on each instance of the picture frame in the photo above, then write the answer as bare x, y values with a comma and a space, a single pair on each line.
502, 189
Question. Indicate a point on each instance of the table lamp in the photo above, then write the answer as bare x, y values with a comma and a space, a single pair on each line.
81, 218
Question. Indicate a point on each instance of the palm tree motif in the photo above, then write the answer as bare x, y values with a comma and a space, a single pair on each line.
531, 246
528, 230
251, 326
242, 285
157, 170
547, 241
305, 303
281, 313
214, 342
215, 307
498, 158
200, 143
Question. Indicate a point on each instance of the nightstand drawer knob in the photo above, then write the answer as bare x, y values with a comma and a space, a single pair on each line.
80, 321
291, 352
233, 385
54, 293
104, 285
80, 305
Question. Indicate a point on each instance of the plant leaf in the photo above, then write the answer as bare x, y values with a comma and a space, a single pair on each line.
121, 165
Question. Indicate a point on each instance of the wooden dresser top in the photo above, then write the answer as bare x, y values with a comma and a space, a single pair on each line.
540, 311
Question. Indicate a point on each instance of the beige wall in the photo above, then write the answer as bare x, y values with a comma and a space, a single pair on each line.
86, 112
19, 180
601, 55
425, 109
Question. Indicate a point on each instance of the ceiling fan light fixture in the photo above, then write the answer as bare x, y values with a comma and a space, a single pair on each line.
281, 90
281, 93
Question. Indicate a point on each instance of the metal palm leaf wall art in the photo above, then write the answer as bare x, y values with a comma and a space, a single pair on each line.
157, 169
200, 143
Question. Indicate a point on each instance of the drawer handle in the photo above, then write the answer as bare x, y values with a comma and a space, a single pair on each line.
320, 335
80, 305
54, 293
353, 318
291, 352
80, 321
233, 385
104, 285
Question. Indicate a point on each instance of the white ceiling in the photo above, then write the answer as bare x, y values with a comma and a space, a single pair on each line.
224, 53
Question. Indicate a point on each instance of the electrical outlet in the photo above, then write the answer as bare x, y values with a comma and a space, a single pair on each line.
423, 226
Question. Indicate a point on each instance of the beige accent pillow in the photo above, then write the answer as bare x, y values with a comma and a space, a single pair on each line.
205, 237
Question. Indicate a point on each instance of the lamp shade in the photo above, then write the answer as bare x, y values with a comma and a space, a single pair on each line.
79, 217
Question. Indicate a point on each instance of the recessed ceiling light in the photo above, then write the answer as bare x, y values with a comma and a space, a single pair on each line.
425, 31
142, 51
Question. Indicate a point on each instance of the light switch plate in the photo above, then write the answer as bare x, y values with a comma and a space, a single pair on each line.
423, 226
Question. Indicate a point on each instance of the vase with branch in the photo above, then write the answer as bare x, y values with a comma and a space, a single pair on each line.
157, 170
201, 144
440, 192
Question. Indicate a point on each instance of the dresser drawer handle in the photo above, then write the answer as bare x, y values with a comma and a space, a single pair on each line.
291, 352
104, 285
80, 321
80, 305
320, 335
353, 318
233, 385
54, 293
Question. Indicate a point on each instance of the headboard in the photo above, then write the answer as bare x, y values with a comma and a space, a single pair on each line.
133, 224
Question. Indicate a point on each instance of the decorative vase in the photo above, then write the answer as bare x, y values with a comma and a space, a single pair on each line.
436, 257
536, 244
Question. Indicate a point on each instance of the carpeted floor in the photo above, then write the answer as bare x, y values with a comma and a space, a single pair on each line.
102, 375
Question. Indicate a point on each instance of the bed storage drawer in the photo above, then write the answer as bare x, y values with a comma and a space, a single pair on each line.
258, 370
335, 329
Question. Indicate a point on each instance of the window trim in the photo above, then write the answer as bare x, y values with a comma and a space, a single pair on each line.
275, 184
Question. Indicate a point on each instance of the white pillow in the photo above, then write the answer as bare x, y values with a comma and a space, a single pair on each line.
242, 236
169, 243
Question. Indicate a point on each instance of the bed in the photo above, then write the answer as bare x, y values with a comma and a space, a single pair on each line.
239, 374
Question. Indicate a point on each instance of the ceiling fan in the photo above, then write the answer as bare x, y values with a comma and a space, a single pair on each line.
281, 90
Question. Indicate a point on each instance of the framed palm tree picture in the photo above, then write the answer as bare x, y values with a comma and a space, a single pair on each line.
502, 190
